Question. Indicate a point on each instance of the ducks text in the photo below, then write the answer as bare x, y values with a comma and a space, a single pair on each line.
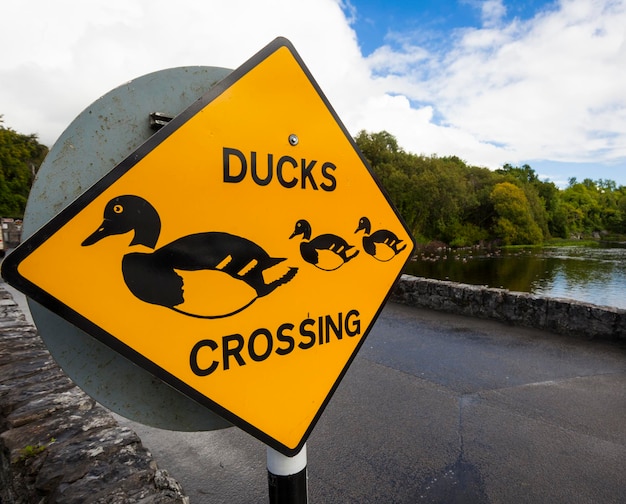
288, 171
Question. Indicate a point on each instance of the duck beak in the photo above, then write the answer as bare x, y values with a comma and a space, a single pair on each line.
98, 234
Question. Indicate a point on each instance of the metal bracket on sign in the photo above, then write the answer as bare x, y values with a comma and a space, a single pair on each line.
158, 120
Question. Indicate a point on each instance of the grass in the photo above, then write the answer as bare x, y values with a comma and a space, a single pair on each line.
30, 451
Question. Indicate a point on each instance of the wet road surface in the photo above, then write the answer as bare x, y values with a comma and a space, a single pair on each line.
439, 408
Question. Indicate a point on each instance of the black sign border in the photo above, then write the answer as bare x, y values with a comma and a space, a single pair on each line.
11, 263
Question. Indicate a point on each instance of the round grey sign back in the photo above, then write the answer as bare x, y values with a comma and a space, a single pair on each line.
104, 134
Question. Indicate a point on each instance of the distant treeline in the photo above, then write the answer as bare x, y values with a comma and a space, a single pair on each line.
440, 198
445, 199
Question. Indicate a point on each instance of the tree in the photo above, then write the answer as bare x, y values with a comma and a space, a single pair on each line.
20, 158
584, 197
393, 168
515, 224
542, 196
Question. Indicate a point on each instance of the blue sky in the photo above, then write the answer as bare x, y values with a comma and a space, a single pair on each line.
491, 81
438, 27
428, 21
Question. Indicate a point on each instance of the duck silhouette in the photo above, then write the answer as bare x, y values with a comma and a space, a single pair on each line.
327, 252
382, 244
226, 272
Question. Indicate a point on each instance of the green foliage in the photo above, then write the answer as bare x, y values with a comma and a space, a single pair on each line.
439, 197
595, 206
30, 451
515, 224
20, 158
444, 199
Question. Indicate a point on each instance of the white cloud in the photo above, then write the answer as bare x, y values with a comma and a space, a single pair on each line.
67, 53
385, 60
492, 12
548, 88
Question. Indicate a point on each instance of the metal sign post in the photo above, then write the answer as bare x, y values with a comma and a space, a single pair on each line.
287, 477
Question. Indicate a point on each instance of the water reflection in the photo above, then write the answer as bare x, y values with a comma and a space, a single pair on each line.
590, 274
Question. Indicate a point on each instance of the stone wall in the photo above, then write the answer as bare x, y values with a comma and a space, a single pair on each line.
57, 445
561, 316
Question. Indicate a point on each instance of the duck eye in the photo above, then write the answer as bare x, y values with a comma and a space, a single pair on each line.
118, 209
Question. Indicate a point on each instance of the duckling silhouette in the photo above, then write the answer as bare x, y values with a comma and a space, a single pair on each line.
211, 265
382, 244
327, 252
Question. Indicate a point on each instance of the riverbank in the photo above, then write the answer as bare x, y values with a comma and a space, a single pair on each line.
562, 316
590, 274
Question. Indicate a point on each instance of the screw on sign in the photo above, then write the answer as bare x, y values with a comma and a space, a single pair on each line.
287, 252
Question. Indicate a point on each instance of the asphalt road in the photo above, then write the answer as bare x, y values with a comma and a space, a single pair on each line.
441, 409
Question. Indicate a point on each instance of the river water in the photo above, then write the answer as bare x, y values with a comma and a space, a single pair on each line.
591, 274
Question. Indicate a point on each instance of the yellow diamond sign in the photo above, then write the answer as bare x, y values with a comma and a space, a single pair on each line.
241, 254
